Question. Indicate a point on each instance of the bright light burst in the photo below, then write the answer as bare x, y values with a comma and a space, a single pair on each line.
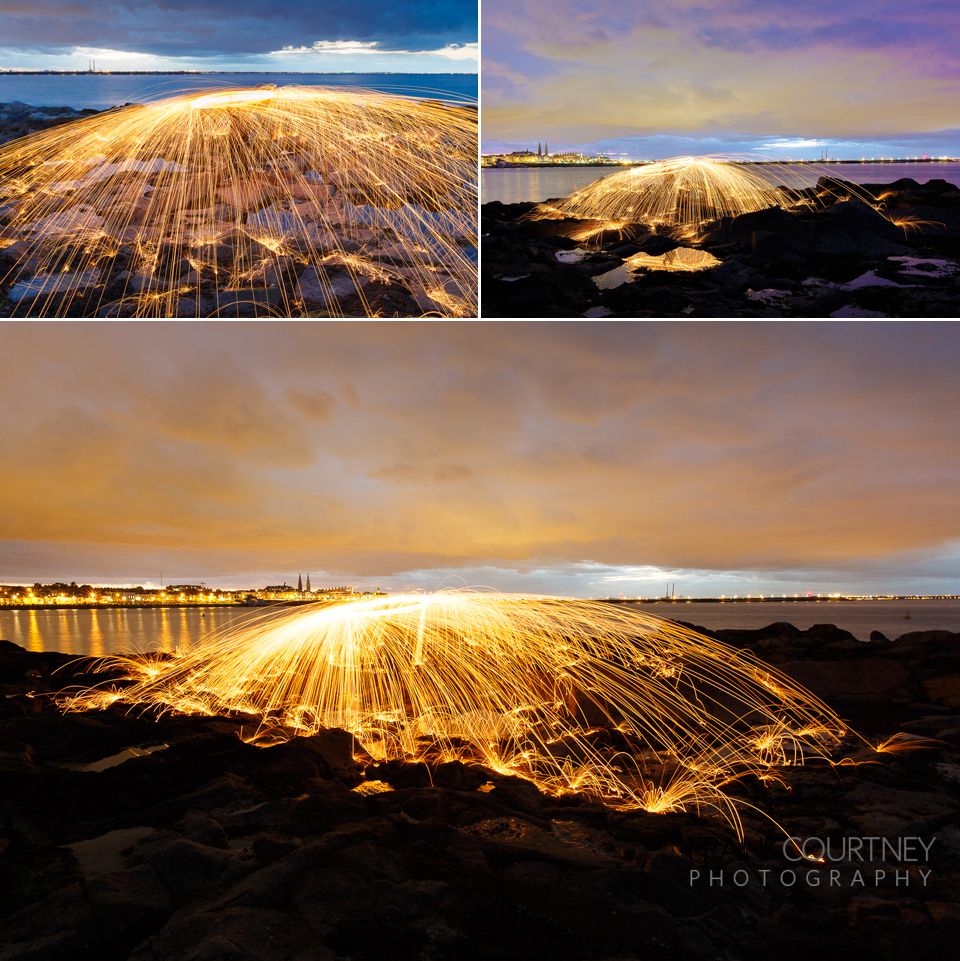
685, 193
264, 202
575, 696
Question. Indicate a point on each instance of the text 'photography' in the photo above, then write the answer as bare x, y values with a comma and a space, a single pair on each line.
720, 158
296, 667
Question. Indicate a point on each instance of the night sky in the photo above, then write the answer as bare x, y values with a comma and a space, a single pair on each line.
309, 35
777, 78
581, 459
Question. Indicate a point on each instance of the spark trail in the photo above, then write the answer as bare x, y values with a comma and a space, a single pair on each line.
682, 195
575, 696
286, 201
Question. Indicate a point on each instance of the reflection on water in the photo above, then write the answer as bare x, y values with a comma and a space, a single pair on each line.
115, 760
514, 185
684, 259
892, 618
109, 631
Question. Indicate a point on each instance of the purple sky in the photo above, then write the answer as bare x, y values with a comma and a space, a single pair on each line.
774, 77
588, 458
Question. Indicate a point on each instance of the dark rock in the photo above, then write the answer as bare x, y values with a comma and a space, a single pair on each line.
232, 934
865, 678
268, 847
191, 870
214, 849
944, 690
807, 255
506, 840
200, 827
328, 805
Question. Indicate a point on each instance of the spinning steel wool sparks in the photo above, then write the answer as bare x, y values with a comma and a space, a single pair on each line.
265, 202
685, 193
575, 696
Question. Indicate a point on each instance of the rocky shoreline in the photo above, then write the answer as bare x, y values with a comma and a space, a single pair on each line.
148, 838
280, 241
20, 119
842, 260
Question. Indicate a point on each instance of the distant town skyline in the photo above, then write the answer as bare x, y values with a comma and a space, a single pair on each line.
587, 459
750, 77
296, 35
85, 594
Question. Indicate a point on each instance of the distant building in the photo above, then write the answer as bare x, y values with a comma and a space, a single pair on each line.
86, 595
279, 592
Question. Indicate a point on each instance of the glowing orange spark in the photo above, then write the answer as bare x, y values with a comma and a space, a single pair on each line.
233, 98
527, 686
681, 195
263, 202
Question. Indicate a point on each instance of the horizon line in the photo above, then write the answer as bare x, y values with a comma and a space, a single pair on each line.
78, 71
799, 596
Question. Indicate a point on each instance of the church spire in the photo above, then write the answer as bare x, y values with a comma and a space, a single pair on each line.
539, 149
308, 583
300, 583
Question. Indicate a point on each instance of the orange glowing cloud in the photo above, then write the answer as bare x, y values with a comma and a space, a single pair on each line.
376, 450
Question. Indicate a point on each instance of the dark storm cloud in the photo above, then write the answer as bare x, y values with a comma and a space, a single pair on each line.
218, 28
566, 456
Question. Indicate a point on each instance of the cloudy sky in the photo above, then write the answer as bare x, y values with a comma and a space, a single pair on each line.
777, 78
585, 459
300, 35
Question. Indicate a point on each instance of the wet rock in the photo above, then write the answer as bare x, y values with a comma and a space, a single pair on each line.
232, 934
19, 119
317, 290
329, 805
215, 849
883, 811
134, 898
865, 678
269, 847
200, 827
190, 870
506, 840
944, 690
812, 258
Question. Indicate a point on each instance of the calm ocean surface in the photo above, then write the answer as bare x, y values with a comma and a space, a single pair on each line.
107, 631
111, 90
514, 185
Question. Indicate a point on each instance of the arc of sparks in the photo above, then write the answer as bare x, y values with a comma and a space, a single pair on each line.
574, 696
280, 201
684, 194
